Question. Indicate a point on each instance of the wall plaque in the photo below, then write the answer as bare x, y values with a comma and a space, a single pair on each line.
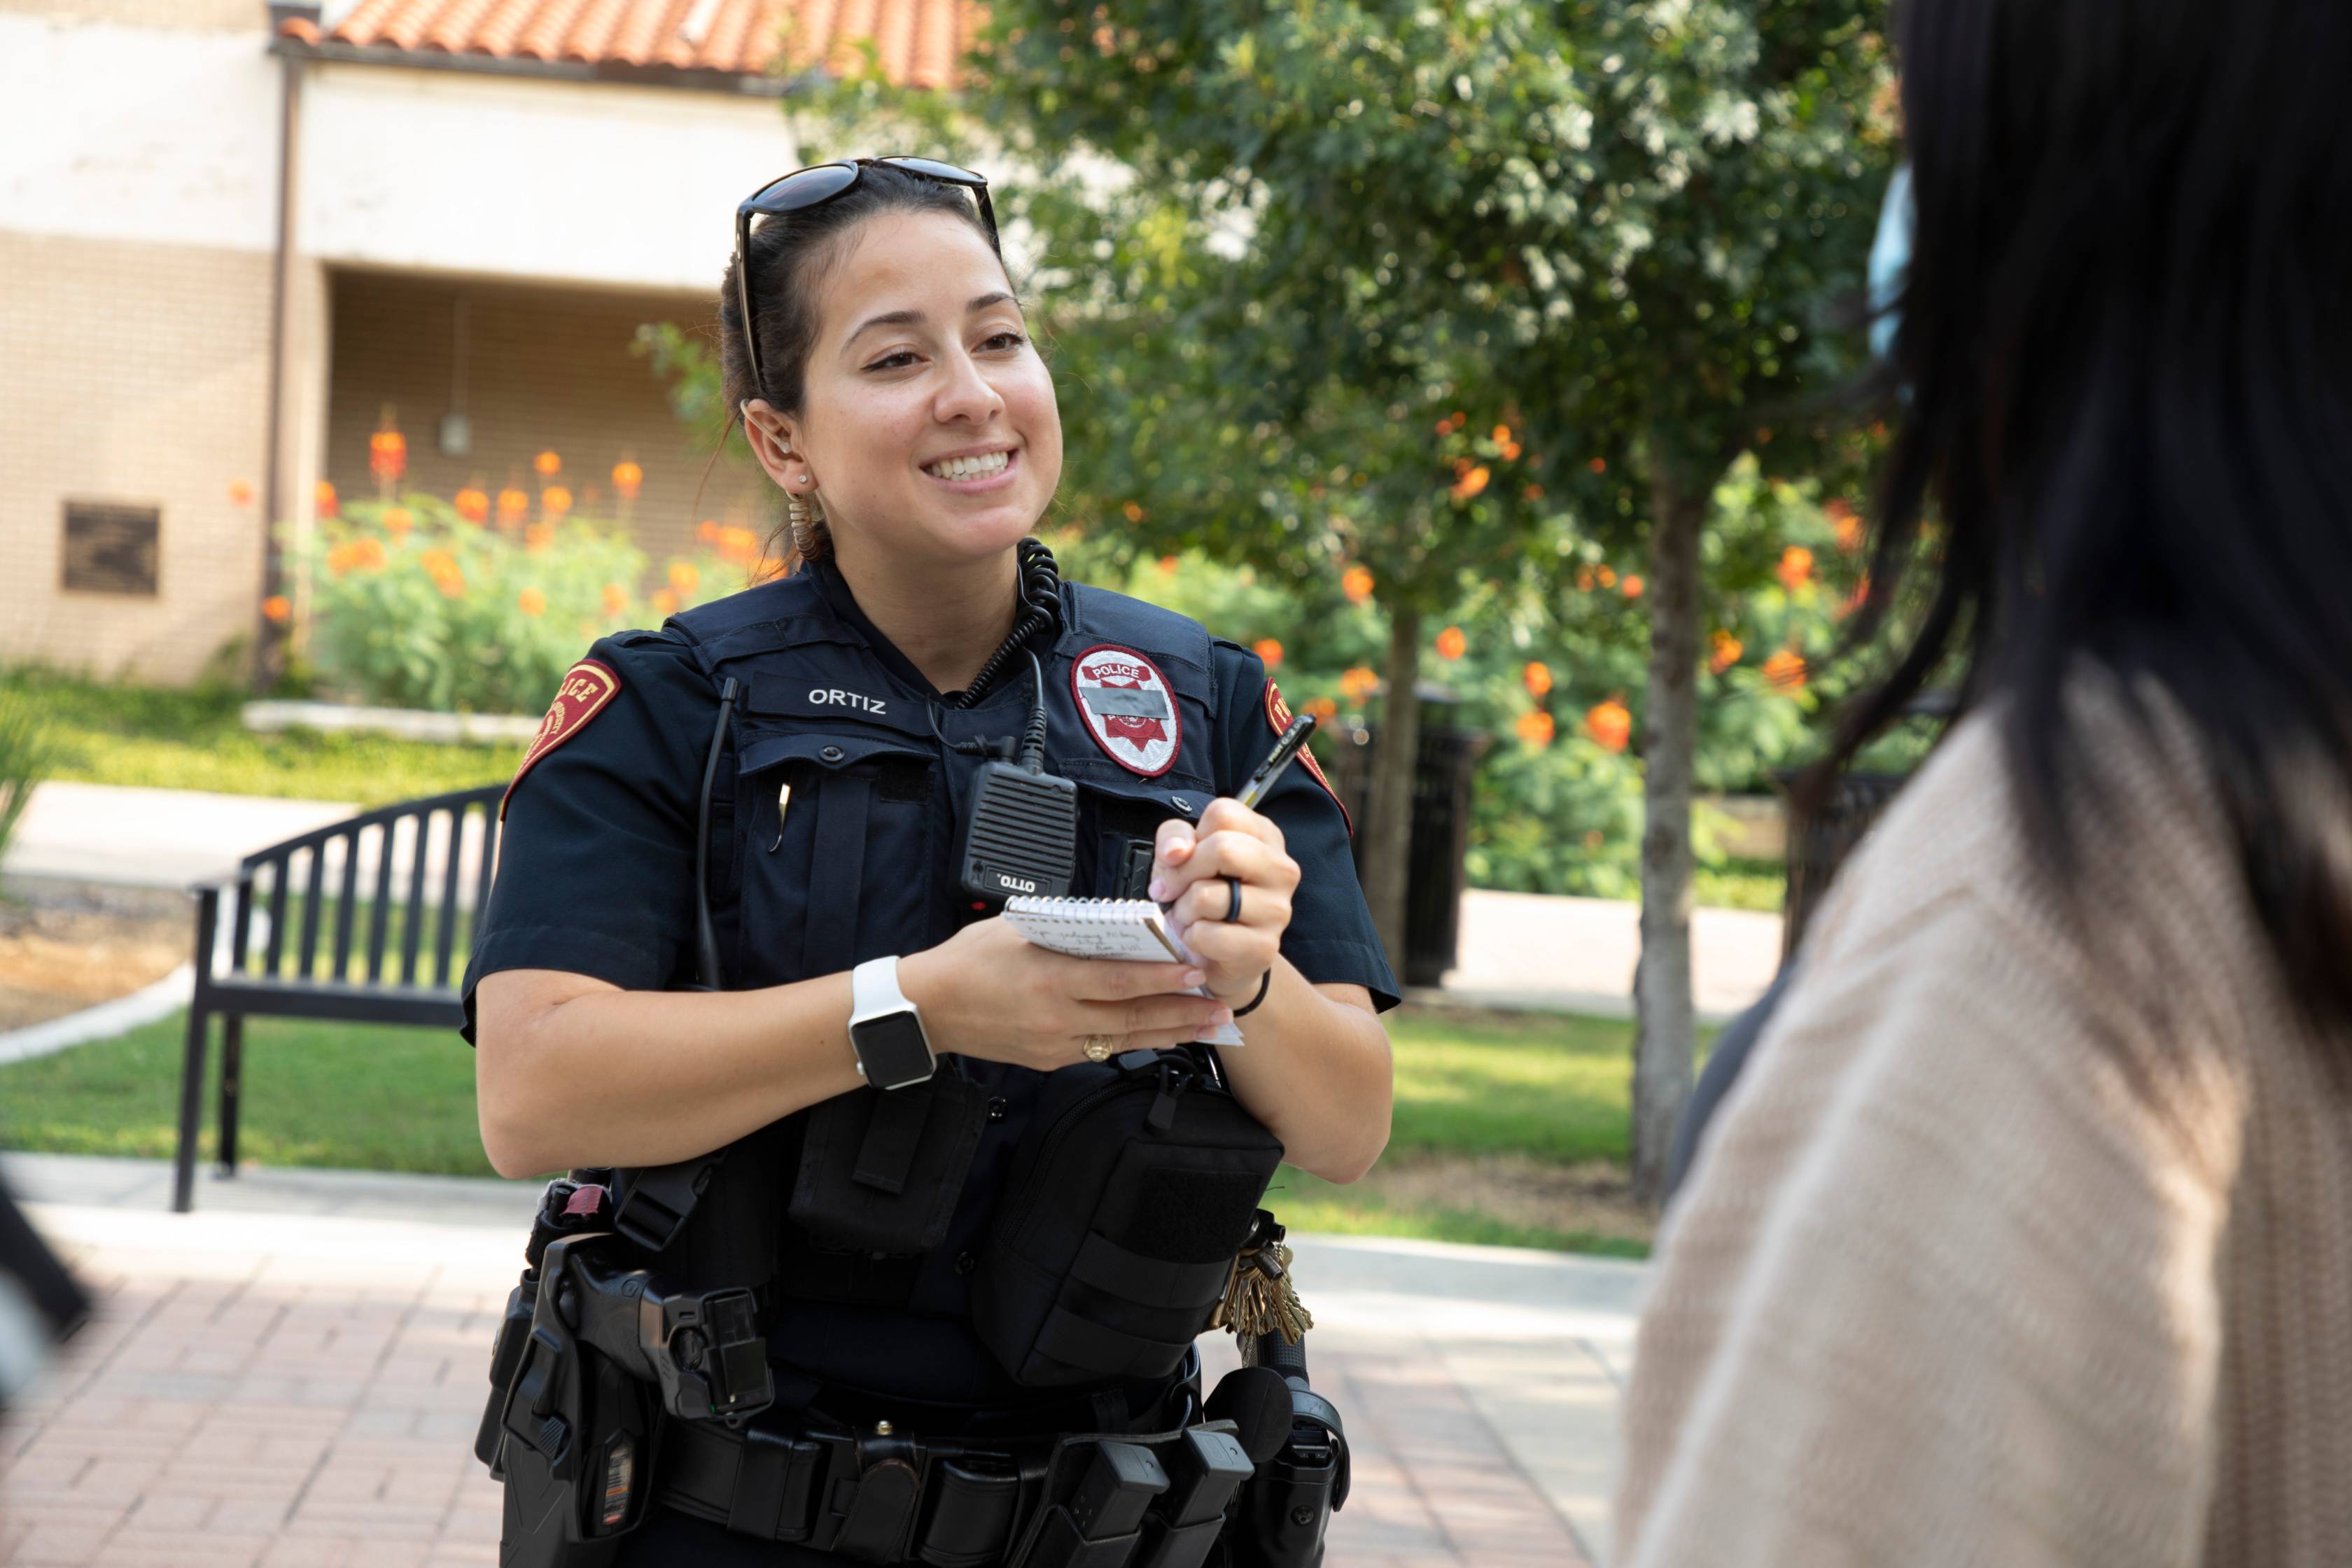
111, 548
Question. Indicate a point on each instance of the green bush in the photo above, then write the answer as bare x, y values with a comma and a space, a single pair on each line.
25, 758
412, 606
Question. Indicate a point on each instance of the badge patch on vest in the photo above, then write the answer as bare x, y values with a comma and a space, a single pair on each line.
1278, 715
1128, 707
580, 695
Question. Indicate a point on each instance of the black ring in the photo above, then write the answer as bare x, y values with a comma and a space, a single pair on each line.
1233, 909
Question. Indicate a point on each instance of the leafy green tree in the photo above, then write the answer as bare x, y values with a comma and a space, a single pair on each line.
1435, 288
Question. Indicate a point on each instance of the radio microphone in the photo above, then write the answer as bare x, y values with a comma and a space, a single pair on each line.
1021, 838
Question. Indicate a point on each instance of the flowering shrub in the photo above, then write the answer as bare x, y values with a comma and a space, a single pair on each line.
1554, 667
421, 603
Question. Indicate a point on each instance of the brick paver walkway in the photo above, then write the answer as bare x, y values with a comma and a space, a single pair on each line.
302, 1392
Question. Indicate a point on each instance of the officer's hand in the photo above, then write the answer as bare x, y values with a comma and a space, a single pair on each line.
988, 992
1196, 867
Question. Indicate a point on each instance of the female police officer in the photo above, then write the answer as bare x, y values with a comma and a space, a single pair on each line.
888, 384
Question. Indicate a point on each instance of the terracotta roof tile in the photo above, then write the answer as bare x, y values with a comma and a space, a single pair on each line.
918, 41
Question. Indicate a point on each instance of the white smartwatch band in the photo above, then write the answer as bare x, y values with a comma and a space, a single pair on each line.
874, 990
885, 1030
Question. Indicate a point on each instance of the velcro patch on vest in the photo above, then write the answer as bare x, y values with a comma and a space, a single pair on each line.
580, 695
1278, 717
1129, 708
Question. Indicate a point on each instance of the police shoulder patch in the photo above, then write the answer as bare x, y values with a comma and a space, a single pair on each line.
580, 695
1278, 718
1129, 708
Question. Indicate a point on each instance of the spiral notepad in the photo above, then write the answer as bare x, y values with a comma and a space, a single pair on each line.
1134, 929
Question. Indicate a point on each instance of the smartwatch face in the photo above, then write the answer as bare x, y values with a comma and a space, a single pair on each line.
893, 1050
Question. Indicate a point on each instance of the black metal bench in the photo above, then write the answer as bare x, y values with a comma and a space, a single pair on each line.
417, 984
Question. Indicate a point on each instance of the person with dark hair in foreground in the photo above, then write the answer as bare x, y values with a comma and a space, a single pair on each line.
2025, 1236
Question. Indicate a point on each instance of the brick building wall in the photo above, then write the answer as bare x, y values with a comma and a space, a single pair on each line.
546, 367
136, 374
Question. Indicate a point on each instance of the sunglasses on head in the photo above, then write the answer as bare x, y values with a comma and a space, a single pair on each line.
812, 187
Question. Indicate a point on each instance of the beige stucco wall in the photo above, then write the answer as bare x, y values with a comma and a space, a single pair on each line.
135, 374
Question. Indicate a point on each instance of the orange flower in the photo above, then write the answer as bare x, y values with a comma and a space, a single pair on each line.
707, 531
1168, 565
1502, 434
1785, 671
1631, 586
1537, 676
1323, 708
1269, 652
276, 609
1471, 483
554, 500
1533, 492
397, 522
473, 504
323, 498
547, 465
1842, 517
239, 492
665, 601
1584, 578
1535, 727
514, 504
1796, 568
451, 582
627, 479
739, 545
1452, 644
684, 577
617, 598
531, 601
1359, 683
1605, 575
1610, 723
538, 536
387, 454
1599, 465
1132, 511
1725, 650
436, 562
367, 555
1356, 582
1510, 450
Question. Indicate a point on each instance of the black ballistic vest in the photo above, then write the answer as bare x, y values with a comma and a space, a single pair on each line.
834, 826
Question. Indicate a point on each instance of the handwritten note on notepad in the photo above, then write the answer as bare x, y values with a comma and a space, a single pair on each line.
1134, 929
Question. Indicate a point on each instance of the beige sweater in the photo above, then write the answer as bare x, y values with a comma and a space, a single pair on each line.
2020, 1241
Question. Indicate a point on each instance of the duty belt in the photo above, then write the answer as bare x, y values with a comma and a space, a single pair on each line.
879, 1497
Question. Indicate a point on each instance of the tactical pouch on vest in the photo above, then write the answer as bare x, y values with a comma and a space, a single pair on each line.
881, 1170
1124, 1214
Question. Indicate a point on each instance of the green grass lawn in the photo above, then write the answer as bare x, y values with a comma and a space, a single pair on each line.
193, 739
1548, 1088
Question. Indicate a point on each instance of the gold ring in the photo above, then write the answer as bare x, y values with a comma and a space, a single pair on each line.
1099, 1047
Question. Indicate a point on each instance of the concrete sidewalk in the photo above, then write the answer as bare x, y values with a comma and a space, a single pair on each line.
292, 1375
1517, 950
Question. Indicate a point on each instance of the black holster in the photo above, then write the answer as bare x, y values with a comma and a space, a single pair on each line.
593, 1355
1285, 1509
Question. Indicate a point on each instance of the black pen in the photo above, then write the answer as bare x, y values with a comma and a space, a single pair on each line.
1286, 752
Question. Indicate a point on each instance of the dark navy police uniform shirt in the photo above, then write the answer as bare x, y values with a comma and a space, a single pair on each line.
596, 874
